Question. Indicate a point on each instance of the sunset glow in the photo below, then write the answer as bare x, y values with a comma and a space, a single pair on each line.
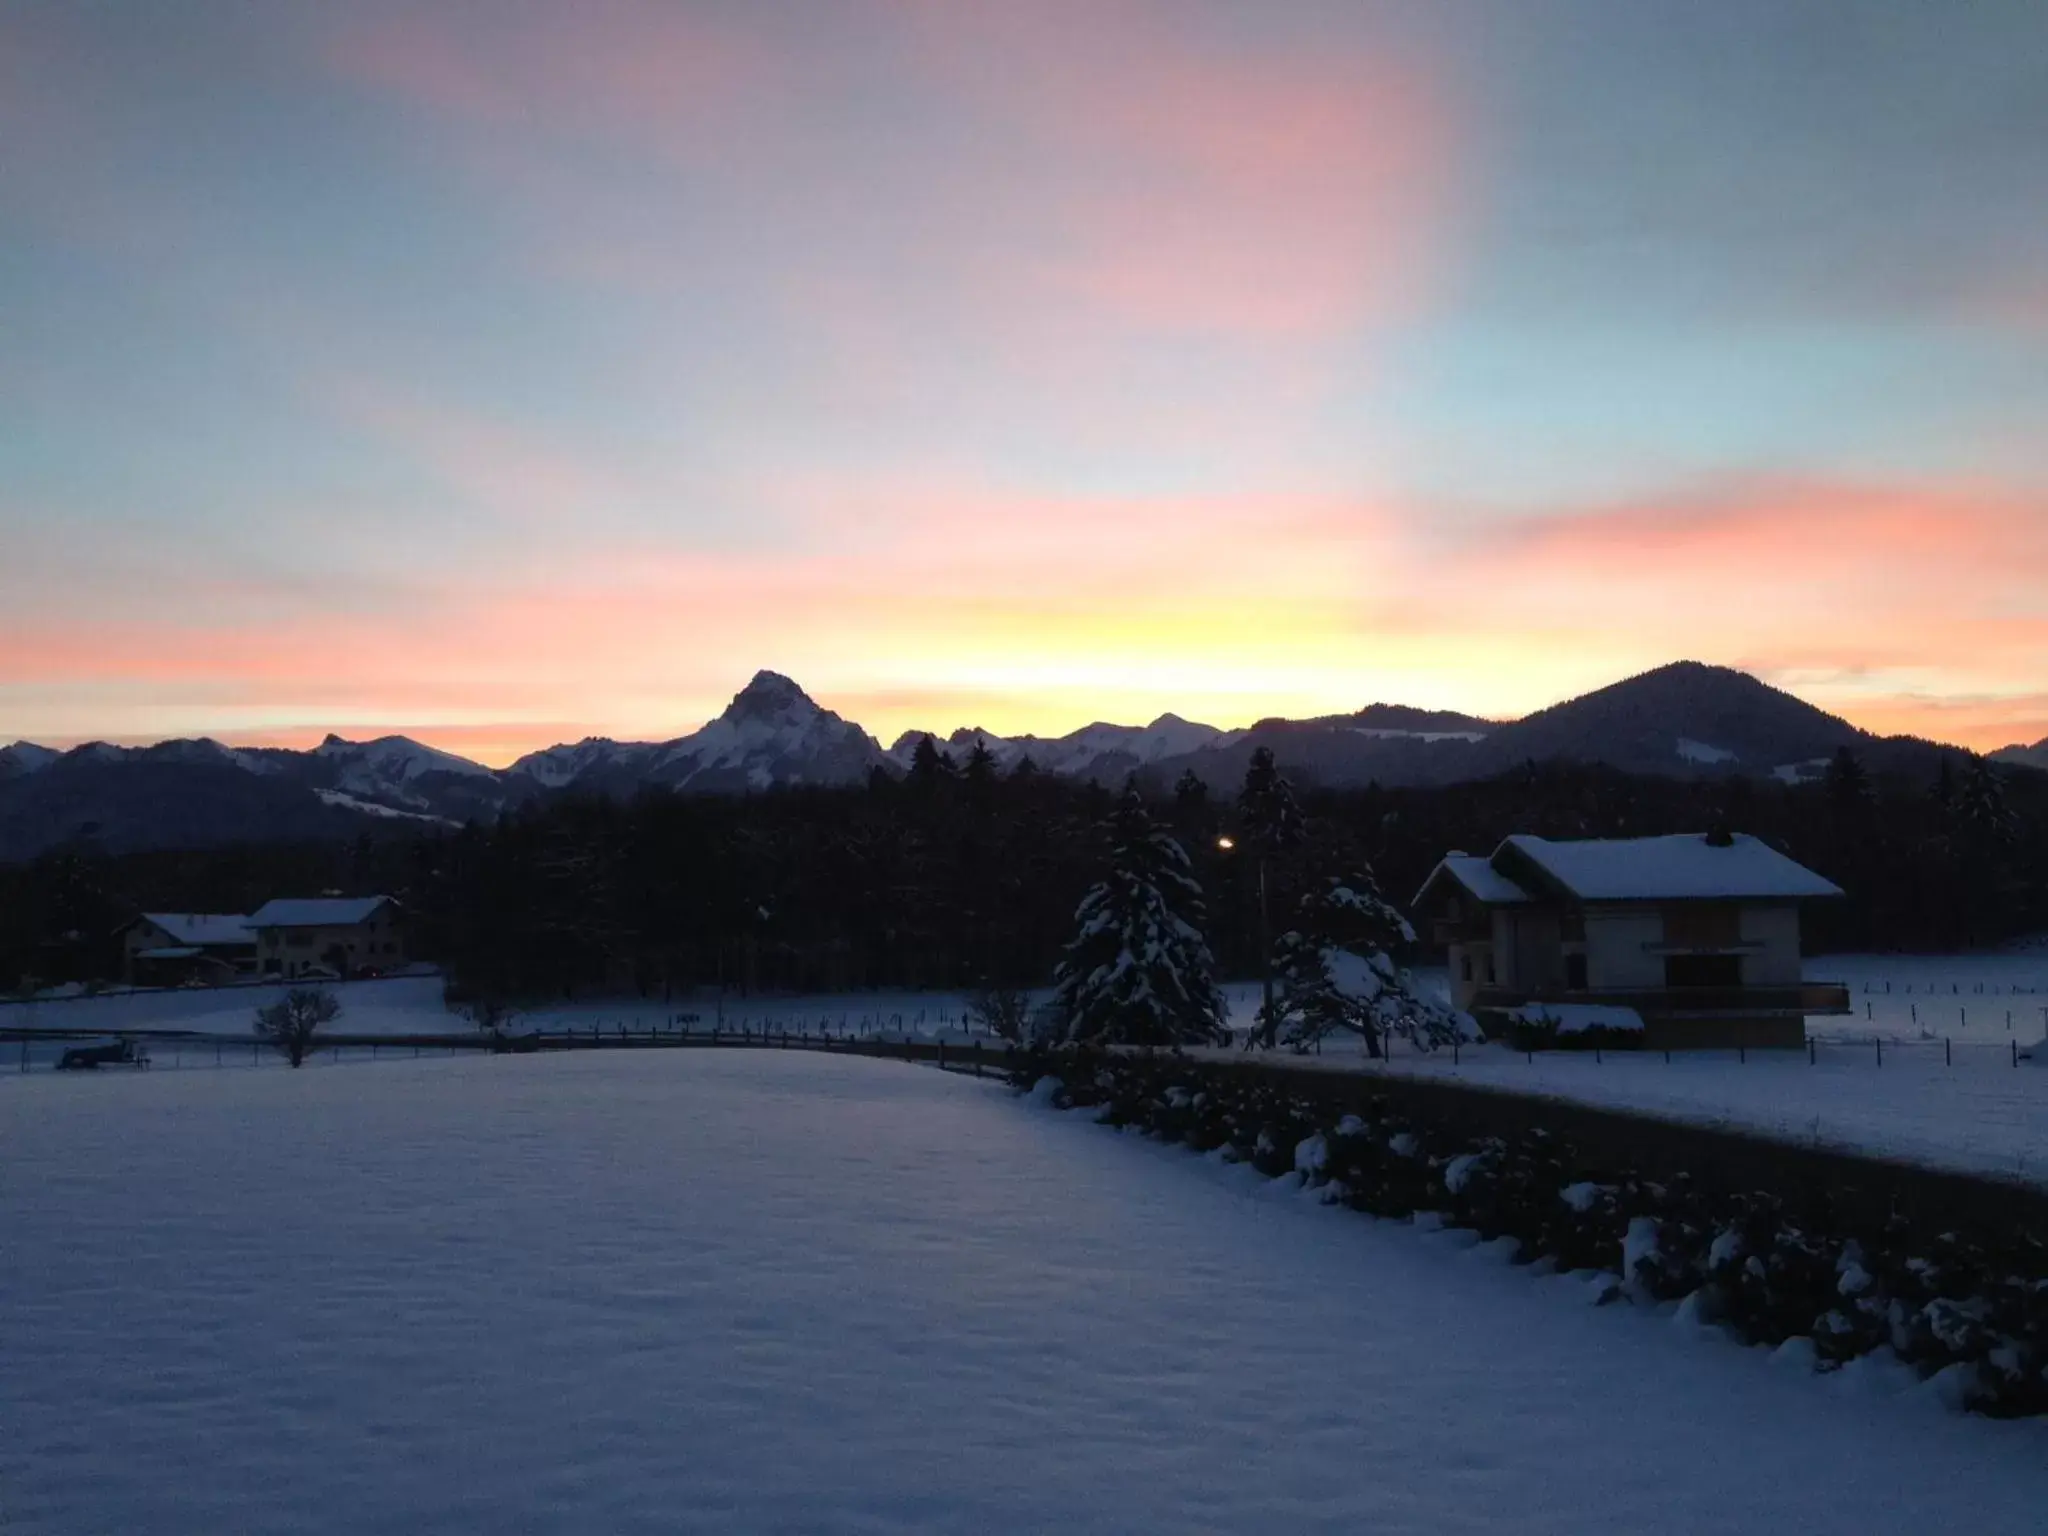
507, 379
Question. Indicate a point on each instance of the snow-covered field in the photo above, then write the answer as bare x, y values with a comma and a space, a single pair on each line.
785, 1292
413, 1005
1945, 1090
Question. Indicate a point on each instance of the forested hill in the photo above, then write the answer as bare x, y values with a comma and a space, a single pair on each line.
944, 878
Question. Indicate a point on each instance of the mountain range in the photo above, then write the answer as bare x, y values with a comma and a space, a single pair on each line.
1686, 720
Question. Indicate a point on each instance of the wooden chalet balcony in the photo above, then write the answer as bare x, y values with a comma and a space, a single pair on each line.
1808, 998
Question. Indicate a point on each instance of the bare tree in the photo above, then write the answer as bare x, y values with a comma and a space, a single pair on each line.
291, 1023
1004, 1012
491, 1015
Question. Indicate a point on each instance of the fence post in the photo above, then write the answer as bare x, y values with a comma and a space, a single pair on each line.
1878, 1041
1812, 1056
2015, 1051
1742, 1055
1948, 1054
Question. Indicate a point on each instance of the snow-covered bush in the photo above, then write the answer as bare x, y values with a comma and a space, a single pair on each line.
1574, 1027
1782, 1269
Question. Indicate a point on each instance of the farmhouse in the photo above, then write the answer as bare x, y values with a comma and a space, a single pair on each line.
168, 949
1690, 940
345, 935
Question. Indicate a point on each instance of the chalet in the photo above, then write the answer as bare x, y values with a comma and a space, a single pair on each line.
1690, 940
345, 935
168, 949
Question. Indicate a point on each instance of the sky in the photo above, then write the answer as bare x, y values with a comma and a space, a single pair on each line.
504, 374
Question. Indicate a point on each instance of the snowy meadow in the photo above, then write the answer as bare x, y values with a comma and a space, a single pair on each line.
1923, 1070
721, 1291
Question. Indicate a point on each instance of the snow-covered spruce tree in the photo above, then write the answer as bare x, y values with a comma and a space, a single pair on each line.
1138, 971
1272, 817
1335, 970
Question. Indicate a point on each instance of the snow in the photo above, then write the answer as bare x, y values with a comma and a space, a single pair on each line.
388, 760
772, 732
1458, 1171
1684, 866
201, 928
1577, 1018
1639, 1246
552, 767
315, 911
1703, 752
1081, 752
342, 800
1479, 878
619, 1294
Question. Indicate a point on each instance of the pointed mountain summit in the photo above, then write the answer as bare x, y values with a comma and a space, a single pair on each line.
771, 733
770, 695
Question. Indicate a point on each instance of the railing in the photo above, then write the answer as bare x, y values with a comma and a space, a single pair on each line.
1812, 997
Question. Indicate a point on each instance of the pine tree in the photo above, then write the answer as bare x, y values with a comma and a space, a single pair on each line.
1848, 785
980, 771
1272, 817
929, 765
1138, 971
1190, 793
1980, 801
1336, 970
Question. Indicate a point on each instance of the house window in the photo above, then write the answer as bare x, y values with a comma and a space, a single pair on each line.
1703, 970
1489, 968
1575, 972
1465, 967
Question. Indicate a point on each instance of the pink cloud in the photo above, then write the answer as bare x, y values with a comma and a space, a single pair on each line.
944, 602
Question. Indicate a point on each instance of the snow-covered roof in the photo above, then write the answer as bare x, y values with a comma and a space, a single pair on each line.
1476, 878
203, 927
174, 952
1683, 867
316, 911
1483, 880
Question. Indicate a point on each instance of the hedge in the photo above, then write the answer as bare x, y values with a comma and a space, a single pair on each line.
1765, 1267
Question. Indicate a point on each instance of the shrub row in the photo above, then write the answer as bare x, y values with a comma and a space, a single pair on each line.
1972, 1304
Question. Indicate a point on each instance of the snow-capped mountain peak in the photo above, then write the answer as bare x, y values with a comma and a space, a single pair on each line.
552, 767
771, 733
393, 759
771, 696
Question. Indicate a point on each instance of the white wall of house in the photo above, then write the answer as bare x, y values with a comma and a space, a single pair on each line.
1472, 967
1619, 944
291, 951
1502, 950
1776, 964
1538, 957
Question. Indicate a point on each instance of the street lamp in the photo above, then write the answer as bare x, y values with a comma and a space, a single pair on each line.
1228, 844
